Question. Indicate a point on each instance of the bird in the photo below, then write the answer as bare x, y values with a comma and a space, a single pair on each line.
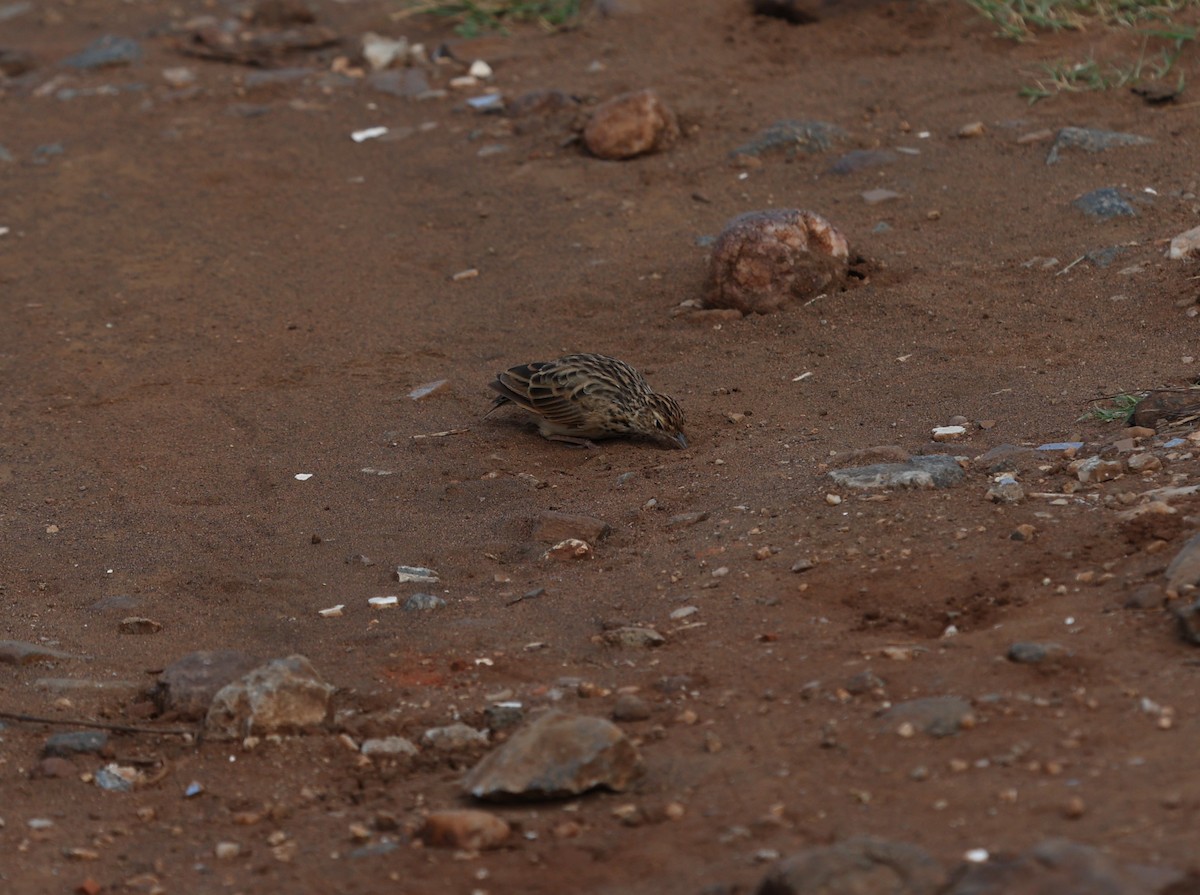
581, 397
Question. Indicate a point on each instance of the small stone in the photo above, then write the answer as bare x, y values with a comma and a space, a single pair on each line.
1023, 532
1094, 470
1091, 139
630, 125
117, 778
1144, 462
974, 129
138, 625
861, 159
15, 652
423, 603
383, 52
938, 716
1146, 596
630, 707
553, 527
415, 575
226, 851
467, 829
864, 682
803, 565
179, 77
569, 549
429, 388
282, 696
879, 195
388, 747
80, 742
764, 261
948, 433
686, 520
634, 637
454, 737
504, 715
833, 499
1185, 245
1030, 653
556, 756
683, 612
1188, 616
1006, 489
1105, 204
56, 768
922, 471
106, 51
791, 137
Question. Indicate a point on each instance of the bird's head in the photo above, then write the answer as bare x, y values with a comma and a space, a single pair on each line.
661, 419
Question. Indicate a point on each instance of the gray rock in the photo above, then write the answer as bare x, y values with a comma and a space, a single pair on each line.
1091, 139
633, 636
76, 742
116, 603
557, 756
553, 527
407, 82
388, 747
454, 737
1030, 653
504, 715
862, 865
1146, 596
6, 156
1104, 257
1005, 458
686, 520
630, 707
1062, 867
275, 77
1183, 573
106, 51
938, 716
1006, 489
423, 602
1188, 617
922, 471
16, 652
1105, 204
42, 154
861, 159
282, 696
187, 686
790, 137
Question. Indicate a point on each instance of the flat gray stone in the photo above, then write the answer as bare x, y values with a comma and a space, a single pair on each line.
861, 160
75, 742
282, 696
1105, 204
1031, 653
106, 51
16, 652
862, 865
938, 716
790, 137
1091, 139
556, 756
922, 471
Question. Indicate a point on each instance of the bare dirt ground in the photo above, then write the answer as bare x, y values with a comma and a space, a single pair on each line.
211, 289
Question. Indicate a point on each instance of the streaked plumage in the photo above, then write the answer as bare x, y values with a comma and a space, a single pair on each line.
590, 396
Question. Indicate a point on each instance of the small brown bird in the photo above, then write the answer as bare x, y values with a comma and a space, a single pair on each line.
590, 396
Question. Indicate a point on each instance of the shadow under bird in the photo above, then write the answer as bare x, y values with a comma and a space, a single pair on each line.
584, 397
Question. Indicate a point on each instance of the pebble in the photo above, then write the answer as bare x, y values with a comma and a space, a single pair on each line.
1105, 204
1091, 140
764, 261
225, 851
1185, 245
468, 829
552, 527
948, 433
16, 652
1094, 470
686, 520
387, 602
921, 471
938, 716
454, 737
106, 51
1145, 462
283, 696
423, 602
1030, 653
557, 756
415, 575
382, 52
138, 625
629, 125
974, 129
1006, 489
864, 865
633, 637
880, 195
117, 778
683, 612
504, 715
388, 747
79, 742
630, 707
1146, 596
790, 137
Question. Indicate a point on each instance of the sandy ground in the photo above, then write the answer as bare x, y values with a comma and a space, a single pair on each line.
212, 289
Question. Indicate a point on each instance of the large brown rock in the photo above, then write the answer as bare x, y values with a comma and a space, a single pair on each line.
630, 124
557, 756
553, 527
764, 261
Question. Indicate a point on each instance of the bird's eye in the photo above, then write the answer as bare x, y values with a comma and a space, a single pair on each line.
657, 423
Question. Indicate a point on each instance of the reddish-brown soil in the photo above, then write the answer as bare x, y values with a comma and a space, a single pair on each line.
200, 303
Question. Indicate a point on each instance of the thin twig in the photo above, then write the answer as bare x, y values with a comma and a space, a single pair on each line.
103, 725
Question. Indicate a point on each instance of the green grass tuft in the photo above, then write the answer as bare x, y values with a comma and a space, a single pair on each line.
1117, 409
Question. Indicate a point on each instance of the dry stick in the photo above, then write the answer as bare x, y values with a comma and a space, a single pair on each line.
79, 722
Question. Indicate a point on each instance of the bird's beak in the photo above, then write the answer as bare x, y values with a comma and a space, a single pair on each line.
680, 439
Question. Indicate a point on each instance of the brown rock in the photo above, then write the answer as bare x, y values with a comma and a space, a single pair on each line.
55, 767
556, 756
282, 696
138, 625
569, 549
553, 527
629, 125
468, 829
764, 261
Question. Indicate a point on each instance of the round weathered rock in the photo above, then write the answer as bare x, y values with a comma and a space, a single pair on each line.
557, 756
629, 125
764, 261
468, 829
284, 695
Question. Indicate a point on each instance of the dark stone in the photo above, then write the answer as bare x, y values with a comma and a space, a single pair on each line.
1062, 867
1029, 653
187, 686
790, 137
106, 51
864, 682
1188, 616
1105, 204
77, 742
794, 12
1091, 139
1146, 596
276, 76
861, 159
406, 82
862, 865
938, 716
14, 63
